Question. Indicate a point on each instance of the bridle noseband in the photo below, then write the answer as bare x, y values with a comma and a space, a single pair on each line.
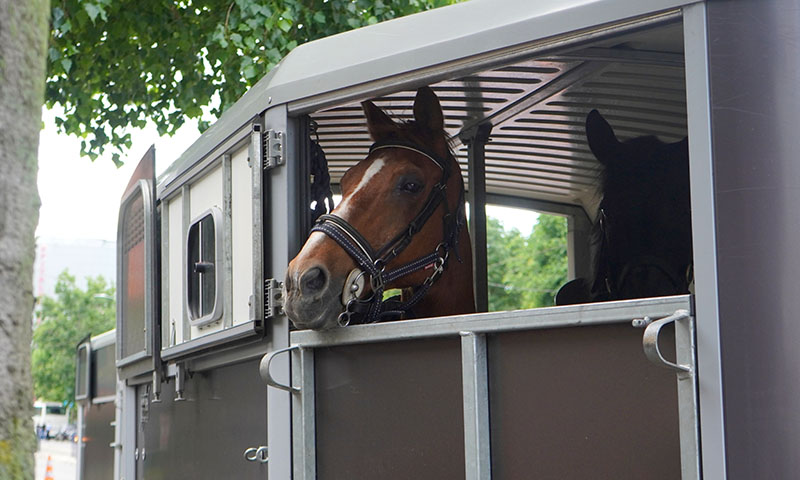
373, 263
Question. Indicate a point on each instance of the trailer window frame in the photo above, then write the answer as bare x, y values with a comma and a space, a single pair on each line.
198, 284
83, 366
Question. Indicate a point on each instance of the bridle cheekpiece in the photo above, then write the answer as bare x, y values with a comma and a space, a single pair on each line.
372, 263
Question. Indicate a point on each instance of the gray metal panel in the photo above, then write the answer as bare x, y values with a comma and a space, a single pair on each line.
581, 403
390, 410
206, 435
281, 226
97, 436
755, 111
704, 243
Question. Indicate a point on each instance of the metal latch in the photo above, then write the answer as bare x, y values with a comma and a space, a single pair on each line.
652, 350
273, 149
273, 298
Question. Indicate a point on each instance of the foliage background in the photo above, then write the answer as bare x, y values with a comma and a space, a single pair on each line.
63, 321
114, 64
526, 272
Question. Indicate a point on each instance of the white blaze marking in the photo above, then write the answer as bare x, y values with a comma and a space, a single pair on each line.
343, 209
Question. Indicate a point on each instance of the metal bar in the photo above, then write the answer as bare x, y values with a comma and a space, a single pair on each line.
304, 416
618, 55
688, 411
278, 222
206, 342
173, 182
575, 76
566, 316
256, 161
165, 297
476, 196
704, 240
186, 212
227, 243
535, 204
477, 444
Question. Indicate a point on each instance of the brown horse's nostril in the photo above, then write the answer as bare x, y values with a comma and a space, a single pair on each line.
313, 280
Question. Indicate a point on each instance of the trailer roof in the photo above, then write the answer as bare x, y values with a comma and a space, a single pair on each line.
349, 67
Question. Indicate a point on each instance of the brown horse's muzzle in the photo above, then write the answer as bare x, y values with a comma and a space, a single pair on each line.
312, 295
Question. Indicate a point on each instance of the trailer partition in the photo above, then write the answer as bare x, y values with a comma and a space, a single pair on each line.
499, 395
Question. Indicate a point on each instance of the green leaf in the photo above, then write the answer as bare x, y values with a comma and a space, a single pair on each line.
92, 10
250, 71
67, 64
319, 17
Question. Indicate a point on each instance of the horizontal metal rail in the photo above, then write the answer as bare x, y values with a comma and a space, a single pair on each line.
550, 317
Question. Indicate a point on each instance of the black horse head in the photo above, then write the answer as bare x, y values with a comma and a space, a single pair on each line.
643, 233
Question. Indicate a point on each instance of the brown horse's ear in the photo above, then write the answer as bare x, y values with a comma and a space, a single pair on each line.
601, 138
427, 110
379, 124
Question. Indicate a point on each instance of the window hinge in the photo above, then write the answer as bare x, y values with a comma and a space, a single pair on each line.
273, 149
273, 299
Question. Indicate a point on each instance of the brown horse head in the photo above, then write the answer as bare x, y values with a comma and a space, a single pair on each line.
393, 188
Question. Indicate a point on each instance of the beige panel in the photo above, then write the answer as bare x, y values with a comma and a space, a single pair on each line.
206, 193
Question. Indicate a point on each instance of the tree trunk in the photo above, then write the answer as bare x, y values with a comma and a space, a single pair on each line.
23, 43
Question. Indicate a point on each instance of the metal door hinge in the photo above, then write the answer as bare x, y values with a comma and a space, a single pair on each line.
273, 149
273, 298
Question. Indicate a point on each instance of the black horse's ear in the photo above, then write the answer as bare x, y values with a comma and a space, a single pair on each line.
379, 124
428, 110
602, 141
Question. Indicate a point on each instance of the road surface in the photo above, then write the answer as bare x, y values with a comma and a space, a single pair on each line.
62, 457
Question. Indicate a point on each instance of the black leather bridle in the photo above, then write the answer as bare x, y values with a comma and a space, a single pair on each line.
373, 263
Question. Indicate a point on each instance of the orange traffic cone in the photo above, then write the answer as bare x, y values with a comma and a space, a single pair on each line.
48, 472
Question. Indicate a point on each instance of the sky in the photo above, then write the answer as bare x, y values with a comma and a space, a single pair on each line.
80, 198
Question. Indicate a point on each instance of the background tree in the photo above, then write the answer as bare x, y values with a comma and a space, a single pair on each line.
113, 64
526, 272
64, 321
23, 44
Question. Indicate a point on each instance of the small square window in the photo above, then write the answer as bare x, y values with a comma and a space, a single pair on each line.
203, 268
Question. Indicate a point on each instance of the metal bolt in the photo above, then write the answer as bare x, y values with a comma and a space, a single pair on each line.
641, 322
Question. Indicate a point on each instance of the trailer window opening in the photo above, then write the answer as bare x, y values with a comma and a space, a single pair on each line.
202, 278
526, 258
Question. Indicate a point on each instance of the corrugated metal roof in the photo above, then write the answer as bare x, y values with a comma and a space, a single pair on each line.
538, 109
363, 58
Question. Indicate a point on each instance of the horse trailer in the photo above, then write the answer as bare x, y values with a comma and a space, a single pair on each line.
213, 382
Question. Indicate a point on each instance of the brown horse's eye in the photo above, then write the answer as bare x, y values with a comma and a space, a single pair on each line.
411, 187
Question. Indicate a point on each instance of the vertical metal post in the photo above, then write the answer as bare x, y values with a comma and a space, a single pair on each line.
186, 212
279, 210
476, 196
687, 399
227, 241
701, 176
477, 444
303, 416
255, 155
165, 298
